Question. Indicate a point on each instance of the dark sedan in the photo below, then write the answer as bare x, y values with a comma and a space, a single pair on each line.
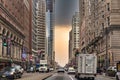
9, 73
61, 70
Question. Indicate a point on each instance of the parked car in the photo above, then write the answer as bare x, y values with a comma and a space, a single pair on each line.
51, 69
71, 70
31, 69
37, 69
117, 76
10, 73
111, 71
61, 70
19, 68
113, 68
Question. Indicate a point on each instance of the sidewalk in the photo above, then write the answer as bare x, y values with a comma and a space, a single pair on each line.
106, 77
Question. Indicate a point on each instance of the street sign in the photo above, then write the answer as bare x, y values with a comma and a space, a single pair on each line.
31, 57
39, 51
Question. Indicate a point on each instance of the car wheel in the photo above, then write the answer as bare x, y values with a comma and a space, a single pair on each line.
15, 76
117, 78
93, 79
20, 76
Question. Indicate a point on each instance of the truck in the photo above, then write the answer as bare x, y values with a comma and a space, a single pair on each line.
86, 66
43, 66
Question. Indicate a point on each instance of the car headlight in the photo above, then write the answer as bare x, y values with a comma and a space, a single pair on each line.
11, 73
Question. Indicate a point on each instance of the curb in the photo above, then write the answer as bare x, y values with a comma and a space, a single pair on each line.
47, 77
109, 77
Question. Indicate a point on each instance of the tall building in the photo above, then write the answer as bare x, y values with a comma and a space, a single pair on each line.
70, 45
50, 30
15, 26
100, 30
75, 33
34, 30
82, 26
74, 36
41, 27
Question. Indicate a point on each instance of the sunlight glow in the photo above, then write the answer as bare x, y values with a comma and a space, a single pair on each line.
61, 44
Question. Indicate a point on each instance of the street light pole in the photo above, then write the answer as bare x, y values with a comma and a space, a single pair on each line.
106, 55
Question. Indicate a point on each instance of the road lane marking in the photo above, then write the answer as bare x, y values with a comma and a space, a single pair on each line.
71, 77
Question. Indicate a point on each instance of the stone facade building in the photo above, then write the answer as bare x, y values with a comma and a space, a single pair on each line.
41, 27
100, 30
14, 31
74, 36
34, 31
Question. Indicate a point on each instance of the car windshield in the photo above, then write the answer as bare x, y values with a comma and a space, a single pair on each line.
71, 69
60, 69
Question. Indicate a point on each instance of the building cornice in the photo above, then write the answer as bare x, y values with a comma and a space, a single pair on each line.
12, 18
10, 26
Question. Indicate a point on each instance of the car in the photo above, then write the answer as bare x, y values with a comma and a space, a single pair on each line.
31, 69
51, 69
43, 68
71, 70
37, 69
9, 73
113, 68
111, 71
61, 70
19, 68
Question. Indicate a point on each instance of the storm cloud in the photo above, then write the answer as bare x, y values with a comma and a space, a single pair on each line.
64, 11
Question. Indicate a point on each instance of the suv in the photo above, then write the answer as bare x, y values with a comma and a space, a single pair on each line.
113, 68
111, 71
19, 68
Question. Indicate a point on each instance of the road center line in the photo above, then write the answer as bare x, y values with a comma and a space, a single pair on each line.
71, 78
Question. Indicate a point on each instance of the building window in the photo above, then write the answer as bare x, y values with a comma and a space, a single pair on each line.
108, 20
102, 25
2, 1
102, 16
108, 6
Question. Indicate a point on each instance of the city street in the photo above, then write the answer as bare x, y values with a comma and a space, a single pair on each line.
40, 39
61, 76
65, 76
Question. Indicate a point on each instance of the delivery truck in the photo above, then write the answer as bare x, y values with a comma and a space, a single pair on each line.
86, 66
43, 66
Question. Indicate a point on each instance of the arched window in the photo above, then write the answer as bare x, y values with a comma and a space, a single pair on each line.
4, 31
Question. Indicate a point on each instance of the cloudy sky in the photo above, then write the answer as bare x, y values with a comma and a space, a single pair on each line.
65, 9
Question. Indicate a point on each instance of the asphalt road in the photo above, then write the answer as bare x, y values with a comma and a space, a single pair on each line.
61, 76
34, 76
65, 76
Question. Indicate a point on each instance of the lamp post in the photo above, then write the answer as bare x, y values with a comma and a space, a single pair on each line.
106, 54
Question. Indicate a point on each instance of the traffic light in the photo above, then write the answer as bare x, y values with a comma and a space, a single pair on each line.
4, 42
